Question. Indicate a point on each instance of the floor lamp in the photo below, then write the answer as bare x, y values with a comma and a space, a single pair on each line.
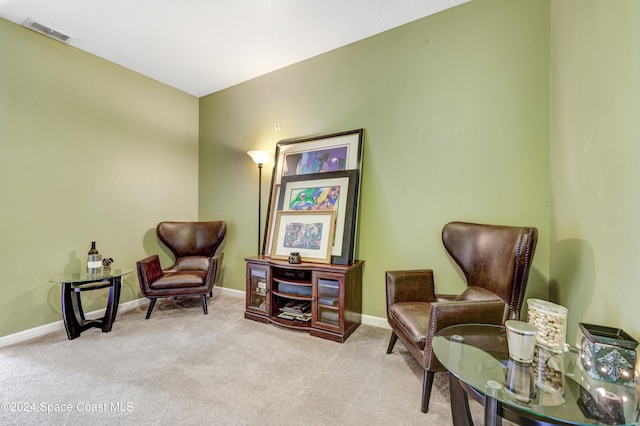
260, 158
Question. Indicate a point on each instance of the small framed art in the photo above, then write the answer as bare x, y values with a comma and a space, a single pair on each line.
308, 232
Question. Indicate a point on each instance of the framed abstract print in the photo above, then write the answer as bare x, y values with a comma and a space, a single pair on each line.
309, 233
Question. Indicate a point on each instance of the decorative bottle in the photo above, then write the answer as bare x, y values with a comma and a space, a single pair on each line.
94, 260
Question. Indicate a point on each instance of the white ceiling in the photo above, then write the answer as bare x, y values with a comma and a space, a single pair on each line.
202, 46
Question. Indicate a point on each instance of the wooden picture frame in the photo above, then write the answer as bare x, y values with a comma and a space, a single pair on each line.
271, 219
343, 151
336, 191
309, 233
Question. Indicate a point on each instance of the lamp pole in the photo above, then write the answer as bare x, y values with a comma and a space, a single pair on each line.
259, 202
259, 157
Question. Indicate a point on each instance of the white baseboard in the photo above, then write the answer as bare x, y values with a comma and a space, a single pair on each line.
59, 325
230, 292
375, 321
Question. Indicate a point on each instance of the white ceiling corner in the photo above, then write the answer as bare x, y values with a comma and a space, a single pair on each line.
201, 47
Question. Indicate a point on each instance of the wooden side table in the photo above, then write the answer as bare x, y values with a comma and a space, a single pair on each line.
73, 284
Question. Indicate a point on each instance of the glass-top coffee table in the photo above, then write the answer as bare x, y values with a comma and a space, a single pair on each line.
553, 390
77, 282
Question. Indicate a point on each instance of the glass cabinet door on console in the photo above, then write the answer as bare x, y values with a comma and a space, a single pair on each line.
257, 286
327, 312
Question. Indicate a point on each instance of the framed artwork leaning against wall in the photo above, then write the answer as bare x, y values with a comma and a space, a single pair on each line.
309, 233
333, 191
313, 155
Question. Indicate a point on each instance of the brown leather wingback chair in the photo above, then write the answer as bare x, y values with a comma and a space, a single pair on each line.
196, 268
495, 261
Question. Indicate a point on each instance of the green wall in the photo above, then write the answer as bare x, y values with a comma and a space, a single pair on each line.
455, 109
502, 111
595, 114
88, 151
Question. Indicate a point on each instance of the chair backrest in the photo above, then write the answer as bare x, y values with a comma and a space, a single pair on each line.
495, 257
192, 238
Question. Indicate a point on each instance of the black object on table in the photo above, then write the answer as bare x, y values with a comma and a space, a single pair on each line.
477, 358
73, 284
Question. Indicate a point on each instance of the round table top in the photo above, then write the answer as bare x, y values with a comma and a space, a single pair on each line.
554, 387
81, 277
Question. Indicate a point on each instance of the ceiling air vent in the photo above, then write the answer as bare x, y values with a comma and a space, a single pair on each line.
43, 29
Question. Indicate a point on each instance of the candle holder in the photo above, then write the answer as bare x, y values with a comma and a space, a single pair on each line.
608, 354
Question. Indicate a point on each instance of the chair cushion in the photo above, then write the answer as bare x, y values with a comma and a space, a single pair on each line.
192, 263
182, 279
413, 319
477, 293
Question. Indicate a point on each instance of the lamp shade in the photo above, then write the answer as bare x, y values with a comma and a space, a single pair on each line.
259, 157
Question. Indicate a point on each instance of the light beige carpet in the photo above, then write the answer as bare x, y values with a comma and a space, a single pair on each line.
184, 367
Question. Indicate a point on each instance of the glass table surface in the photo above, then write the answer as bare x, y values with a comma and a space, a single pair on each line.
554, 388
79, 278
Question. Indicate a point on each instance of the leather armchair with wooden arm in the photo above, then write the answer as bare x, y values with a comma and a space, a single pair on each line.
495, 261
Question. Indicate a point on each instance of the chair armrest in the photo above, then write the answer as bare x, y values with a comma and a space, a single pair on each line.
444, 314
409, 286
213, 273
149, 270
